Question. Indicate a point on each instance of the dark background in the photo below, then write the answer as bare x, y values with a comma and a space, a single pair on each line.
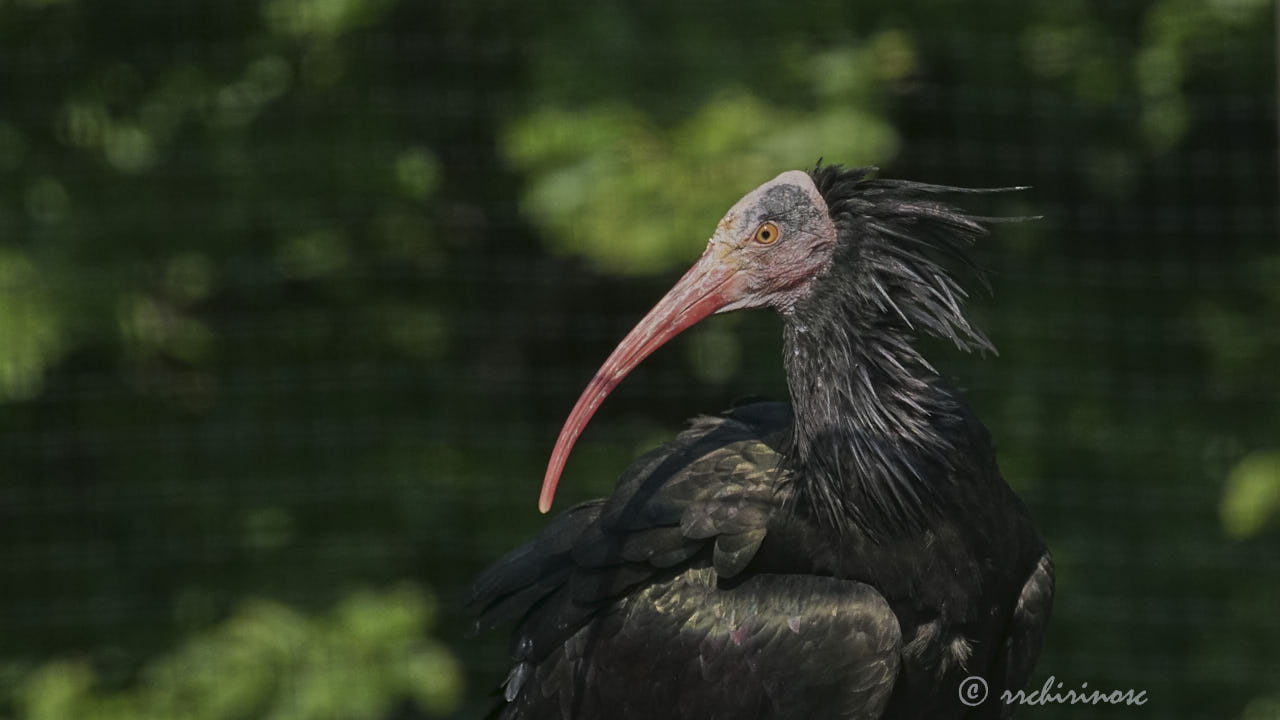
294, 295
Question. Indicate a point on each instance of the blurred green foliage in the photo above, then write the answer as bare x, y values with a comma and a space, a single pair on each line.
610, 183
360, 661
294, 293
29, 325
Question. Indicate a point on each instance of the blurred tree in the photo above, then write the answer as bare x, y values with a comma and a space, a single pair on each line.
363, 660
293, 294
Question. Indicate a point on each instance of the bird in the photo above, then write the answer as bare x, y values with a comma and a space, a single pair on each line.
854, 553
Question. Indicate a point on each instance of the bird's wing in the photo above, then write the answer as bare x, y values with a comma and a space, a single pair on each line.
693, 647
524, 576
709, 493
717, 484
1026, 631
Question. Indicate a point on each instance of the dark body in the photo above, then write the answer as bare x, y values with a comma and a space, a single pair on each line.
853, 555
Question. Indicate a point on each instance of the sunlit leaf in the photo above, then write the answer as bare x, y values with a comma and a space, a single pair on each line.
1252, 495
30, 328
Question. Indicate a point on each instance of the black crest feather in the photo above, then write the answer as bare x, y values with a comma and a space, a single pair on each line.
895, 238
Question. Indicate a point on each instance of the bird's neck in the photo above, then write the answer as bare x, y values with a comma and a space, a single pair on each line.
874, 435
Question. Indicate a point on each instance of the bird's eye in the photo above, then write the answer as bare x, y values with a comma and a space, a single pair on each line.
767, 233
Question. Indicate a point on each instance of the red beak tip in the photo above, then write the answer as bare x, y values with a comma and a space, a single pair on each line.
709, 285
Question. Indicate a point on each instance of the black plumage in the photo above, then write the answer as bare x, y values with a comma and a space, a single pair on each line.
853, 555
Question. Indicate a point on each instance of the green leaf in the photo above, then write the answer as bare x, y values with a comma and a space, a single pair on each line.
1252, 495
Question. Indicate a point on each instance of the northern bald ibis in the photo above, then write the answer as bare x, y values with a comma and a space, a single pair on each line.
855, 554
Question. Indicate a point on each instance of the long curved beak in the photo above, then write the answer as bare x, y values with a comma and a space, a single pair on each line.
711, 284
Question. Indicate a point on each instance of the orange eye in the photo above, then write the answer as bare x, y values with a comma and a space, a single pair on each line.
767, 233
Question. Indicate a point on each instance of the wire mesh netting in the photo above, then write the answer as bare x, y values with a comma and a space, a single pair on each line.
294, 295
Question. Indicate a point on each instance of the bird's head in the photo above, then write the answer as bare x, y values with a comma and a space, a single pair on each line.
769, 250
766, 250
